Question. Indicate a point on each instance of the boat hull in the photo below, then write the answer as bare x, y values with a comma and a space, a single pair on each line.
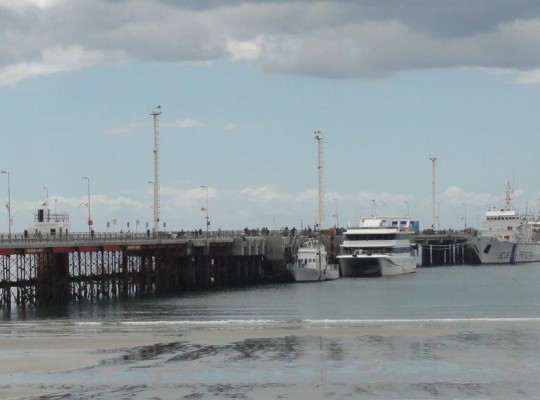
490, 250
302, 274
364, 265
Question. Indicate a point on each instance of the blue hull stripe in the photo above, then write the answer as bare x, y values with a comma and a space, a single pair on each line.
513, 253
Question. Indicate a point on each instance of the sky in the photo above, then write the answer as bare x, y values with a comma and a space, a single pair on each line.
243, 86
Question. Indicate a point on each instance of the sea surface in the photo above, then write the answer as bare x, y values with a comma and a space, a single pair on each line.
456, 332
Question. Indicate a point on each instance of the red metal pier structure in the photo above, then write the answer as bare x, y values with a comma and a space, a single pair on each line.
76, 268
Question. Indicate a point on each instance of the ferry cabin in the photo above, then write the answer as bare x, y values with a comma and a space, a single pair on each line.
378, 236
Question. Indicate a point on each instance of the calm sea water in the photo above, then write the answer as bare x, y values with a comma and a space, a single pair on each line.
463, 332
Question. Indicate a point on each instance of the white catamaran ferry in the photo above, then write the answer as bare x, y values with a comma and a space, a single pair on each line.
379, 246
506, 237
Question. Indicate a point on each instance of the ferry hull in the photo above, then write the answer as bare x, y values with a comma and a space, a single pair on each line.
363, 265
301, 274
491, 250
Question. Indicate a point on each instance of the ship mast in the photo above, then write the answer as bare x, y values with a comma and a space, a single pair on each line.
508, 196
319, 138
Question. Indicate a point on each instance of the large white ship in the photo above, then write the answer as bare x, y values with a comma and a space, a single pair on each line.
379, 246
506, 237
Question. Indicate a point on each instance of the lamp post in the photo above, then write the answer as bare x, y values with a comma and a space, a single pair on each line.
465, 216
155, 114
337, 213
8, 205
407, 203
433, 159
46, 195
89, 212
206, 209
153, 208
438, 215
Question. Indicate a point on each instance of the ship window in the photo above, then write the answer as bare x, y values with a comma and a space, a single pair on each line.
487, 249
363, 236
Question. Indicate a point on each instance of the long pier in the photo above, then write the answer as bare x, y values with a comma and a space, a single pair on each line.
41, 270
37, 270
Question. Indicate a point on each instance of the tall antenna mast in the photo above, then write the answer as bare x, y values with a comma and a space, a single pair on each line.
319, 138
433, 159
508, 196
156, 113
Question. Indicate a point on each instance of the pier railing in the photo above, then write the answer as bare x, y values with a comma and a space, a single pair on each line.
21, 238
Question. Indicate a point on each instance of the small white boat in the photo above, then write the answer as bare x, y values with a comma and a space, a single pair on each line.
380, 246
311, 263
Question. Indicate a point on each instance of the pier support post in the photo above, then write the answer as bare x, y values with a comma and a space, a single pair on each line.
53, 277
5, 289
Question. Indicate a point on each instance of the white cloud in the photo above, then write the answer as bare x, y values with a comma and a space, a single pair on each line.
183, 124
22, 5
256, 207
527, 77
125, 130
456, 196
244, 50
262, 195
51, 61
229, 126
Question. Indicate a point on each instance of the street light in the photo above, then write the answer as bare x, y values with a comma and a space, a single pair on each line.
438, 215
407, 203
8, 205
465, 216
206, 209
156, 113
89, 213
46, 195
433, 159
337, 213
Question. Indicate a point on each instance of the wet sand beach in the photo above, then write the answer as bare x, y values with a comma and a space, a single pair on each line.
422, 359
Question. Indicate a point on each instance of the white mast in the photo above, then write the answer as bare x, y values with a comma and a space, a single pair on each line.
508, 196
319, 138
433, 159
156, 113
